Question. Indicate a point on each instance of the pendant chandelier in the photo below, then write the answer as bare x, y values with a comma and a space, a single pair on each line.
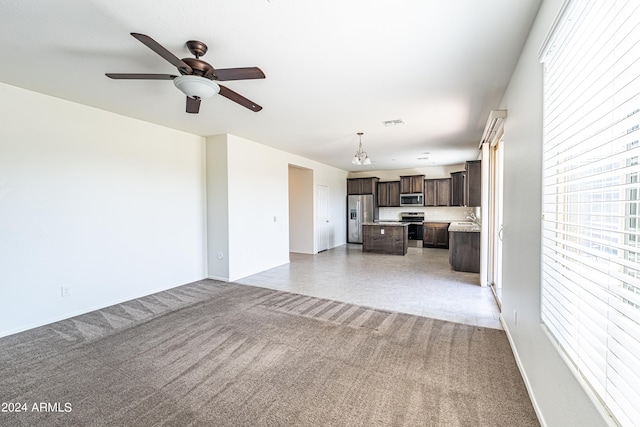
361, 157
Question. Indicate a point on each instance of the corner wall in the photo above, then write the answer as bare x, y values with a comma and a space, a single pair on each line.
110, 207
558, 396
257, 205
217, 208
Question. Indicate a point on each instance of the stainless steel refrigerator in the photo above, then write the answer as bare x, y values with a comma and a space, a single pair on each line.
359, 209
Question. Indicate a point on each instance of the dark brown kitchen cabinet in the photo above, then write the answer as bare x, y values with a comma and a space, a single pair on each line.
464, 251
435, 235
412, 184
394, 193
457, 188
389, 194
385, 239
437, 192
473, 184
358, 186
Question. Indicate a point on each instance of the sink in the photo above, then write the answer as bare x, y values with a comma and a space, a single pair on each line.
464, 226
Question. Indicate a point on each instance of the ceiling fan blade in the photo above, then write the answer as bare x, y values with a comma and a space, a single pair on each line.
140, 76
236, 74
236, 97
193, 105
163, 52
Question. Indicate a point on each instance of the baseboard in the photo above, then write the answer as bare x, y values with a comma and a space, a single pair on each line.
42, 323
523, 373
89, 309
221, 279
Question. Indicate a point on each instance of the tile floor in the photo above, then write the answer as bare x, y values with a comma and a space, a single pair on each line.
420, 283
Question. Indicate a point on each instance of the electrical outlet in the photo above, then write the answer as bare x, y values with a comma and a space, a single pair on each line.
65, 291
382, 231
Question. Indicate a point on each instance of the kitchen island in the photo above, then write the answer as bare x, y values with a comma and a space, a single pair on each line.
385, 237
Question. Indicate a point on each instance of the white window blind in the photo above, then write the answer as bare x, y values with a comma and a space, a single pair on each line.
591, 197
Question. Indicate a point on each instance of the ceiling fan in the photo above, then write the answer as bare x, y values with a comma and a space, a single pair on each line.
197, 78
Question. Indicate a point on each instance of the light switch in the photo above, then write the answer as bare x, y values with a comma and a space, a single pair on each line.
382, 231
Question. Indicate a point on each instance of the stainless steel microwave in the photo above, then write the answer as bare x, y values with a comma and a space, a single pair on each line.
413, 199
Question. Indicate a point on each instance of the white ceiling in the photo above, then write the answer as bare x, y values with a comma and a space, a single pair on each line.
333, 68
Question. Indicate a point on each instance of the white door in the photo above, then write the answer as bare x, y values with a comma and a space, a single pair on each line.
323, 227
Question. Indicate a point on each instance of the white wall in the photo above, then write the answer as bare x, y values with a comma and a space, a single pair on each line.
258, 207
301, 208
557, 395
257, 180
109, 206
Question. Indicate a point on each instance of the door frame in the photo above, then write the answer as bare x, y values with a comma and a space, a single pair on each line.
494, 273
322, 218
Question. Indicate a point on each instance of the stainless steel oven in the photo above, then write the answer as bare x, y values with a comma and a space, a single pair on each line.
415, 220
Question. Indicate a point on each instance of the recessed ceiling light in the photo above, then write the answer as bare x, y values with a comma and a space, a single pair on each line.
395, 122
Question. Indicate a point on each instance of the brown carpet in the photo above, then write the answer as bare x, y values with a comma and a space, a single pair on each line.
220, 354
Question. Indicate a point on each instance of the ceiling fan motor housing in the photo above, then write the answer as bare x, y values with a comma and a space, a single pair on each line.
199, 67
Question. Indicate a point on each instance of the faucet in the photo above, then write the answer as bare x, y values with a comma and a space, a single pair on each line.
473, 218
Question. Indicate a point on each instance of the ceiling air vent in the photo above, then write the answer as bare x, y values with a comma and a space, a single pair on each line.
395, 122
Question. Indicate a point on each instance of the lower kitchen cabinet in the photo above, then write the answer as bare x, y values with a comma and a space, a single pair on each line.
435, 235
464, 251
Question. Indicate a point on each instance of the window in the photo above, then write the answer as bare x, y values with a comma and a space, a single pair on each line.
591, 197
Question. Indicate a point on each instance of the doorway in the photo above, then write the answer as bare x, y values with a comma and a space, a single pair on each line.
301, 215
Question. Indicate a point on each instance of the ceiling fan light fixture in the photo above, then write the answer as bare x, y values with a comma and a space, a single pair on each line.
196, 86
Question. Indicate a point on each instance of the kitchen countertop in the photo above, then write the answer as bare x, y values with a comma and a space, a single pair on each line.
387, 223
456, 226
464, 227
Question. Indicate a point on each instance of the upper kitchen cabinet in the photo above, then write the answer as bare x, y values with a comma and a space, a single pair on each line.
357, 186
412, 184
473, 185
389, 194
457, 188
437, 192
